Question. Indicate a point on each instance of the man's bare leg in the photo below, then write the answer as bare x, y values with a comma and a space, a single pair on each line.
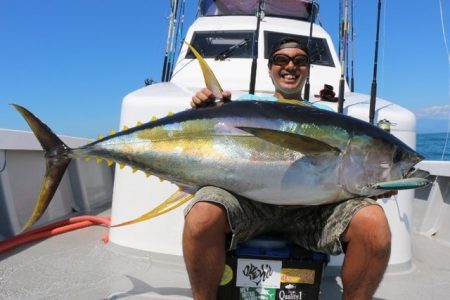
204, 237
368, 252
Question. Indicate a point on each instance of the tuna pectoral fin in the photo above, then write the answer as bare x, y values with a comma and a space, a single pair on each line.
402, 184
293, 141
176, 199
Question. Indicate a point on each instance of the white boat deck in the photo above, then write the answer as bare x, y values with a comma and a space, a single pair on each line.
79, 265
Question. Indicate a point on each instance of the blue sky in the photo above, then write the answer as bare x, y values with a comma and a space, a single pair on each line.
72, 62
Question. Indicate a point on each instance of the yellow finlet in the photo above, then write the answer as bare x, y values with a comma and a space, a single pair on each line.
98, 160
87, 158
154, 118
121, 166
125, 127
100, 137
169, 114
139, 123
148, 174
210, 79
134, 170
110, 163
112, 131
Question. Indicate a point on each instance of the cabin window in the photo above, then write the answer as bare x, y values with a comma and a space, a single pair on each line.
222, 44
319, 51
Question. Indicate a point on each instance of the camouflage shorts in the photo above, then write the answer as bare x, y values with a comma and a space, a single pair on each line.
317, 228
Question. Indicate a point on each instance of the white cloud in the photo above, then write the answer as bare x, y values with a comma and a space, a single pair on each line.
434, 112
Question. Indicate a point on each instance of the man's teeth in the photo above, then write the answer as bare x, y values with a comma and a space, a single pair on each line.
290, 77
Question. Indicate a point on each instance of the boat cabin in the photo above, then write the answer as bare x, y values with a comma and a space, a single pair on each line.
231, 34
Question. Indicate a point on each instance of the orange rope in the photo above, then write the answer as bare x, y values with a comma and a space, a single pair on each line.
52, 230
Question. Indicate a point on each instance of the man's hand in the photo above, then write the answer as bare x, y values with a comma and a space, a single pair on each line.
205, 97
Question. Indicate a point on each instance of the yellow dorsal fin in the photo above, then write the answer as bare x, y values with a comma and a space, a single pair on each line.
295, 101
112, 131
208, 75
125, 127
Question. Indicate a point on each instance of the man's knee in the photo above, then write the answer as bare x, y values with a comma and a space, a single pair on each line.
206, 218
370, 226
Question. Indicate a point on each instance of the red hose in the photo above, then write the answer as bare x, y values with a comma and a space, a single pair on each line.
52, 230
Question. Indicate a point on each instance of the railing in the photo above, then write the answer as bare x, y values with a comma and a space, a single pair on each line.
432, 204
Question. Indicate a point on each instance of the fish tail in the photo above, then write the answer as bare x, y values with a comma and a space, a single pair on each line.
57, 158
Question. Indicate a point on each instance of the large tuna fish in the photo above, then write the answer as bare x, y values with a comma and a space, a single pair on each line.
272, 152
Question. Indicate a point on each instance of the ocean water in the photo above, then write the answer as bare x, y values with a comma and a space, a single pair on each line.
431, 145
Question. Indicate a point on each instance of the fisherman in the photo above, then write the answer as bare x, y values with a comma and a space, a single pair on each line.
216, 220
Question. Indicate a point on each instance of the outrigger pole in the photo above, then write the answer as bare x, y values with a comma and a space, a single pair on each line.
255, 49
373, 91
307, 84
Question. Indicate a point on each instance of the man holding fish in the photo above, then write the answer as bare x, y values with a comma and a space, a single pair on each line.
217, 220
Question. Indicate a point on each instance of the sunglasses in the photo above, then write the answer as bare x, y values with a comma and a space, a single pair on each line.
283, 60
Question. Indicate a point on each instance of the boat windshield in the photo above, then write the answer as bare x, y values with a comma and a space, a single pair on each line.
298, 9
239, 44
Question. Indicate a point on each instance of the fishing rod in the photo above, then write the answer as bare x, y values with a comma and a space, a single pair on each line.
352, 11
340, 29
343, 55
346, 60
308, 46
373, 90
255, 49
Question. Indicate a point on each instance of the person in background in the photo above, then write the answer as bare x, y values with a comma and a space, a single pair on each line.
216, 220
